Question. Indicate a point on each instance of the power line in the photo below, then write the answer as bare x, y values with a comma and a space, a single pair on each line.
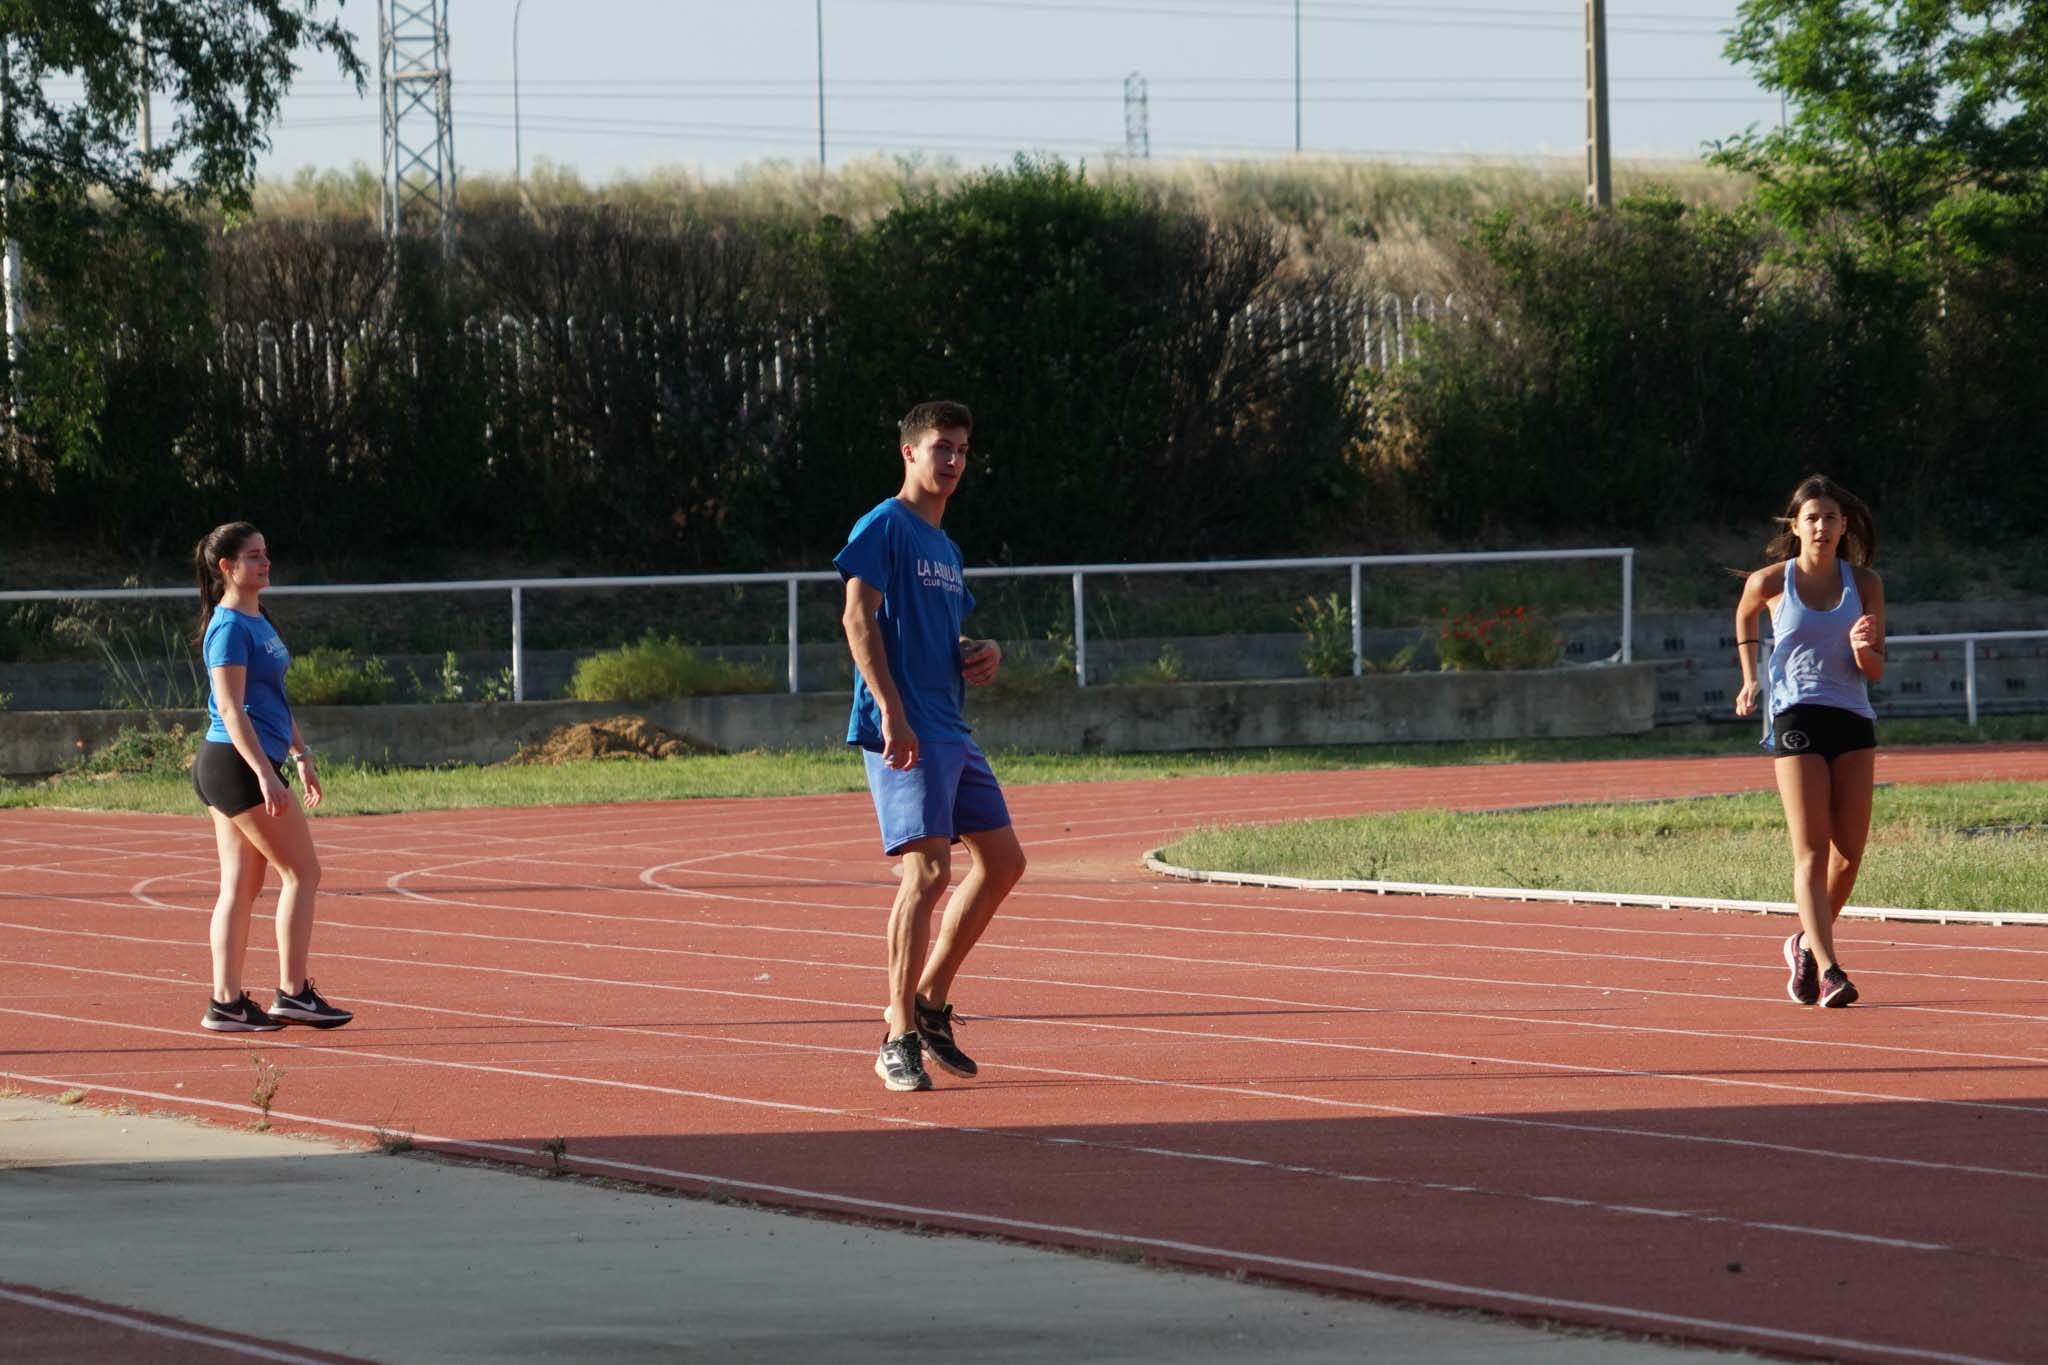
1181, 9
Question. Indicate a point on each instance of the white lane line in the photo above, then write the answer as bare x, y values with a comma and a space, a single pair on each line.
1132, 1149
1996, 919
1022, 1228
156, 1329
755, 902
1264, 1094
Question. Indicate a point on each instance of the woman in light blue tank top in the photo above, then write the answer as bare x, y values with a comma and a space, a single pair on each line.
1827, 622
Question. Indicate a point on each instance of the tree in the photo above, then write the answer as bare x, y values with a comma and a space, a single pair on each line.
1920, 127
88, 206
223, 65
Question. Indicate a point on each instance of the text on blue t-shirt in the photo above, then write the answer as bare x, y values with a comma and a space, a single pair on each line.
234, 639
924, 598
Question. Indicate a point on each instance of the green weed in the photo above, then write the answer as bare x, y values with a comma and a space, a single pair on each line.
334, 677
1326, 622
661, 669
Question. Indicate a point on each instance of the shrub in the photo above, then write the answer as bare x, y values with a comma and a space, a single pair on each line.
1169, 667
454, 685
332, 677
1508, 638
657, 669
1326, 621
146, 752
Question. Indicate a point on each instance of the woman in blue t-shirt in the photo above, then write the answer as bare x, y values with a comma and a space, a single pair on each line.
239, 774
1827, 622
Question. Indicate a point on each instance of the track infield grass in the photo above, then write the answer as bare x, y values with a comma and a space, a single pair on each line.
1966, 846
157, 781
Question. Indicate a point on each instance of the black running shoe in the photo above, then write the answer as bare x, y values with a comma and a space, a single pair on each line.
241, 1017
1804, 983
1836, 989
936, 1028
308, 1008
901, 1065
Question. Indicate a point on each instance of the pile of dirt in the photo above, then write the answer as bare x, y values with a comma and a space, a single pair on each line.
618, 737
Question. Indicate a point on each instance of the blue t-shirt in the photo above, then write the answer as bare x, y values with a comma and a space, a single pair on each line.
250, 642
924, 596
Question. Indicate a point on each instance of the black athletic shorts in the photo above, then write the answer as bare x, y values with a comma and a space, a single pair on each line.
1826, 732
224, 781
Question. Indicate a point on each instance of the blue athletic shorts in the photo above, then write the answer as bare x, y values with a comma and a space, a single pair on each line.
949, 793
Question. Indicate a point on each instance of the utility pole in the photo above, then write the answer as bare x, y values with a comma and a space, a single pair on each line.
821, 87
1599, 170
1297, 77
10, 255
517, 149
1137, 119
1783, 107
413, 82
143, 140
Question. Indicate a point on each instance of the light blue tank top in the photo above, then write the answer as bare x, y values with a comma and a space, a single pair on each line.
1811, 662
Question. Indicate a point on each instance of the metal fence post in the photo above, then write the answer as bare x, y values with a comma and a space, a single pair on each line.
1628, 605
1970, 678
792, 636
1080, 635
518, 649
1357, 619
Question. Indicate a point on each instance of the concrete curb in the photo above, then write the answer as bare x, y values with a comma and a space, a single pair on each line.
1997, 919
1573, 702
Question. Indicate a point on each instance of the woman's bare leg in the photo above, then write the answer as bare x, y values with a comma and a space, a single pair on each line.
241, 879
1854, 779
1807, 791
286, 842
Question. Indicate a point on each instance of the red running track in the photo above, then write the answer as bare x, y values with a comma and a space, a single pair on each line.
1594, 1115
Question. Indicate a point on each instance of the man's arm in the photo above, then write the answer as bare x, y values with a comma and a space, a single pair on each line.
864, 639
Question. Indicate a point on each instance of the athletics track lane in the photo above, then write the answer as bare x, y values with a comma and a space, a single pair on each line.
1591, 1114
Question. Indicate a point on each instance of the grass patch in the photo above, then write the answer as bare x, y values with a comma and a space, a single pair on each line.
353, 789
1967, 846
659, 669
70, 1097
335, 677
392, 1141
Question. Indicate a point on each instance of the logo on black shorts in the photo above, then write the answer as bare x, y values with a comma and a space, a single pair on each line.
1796, 740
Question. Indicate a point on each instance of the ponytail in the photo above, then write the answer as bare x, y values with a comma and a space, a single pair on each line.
222, 542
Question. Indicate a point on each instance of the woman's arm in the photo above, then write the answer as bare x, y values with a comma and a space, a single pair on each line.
1749, 645
1866, 637
230, 687
302, 754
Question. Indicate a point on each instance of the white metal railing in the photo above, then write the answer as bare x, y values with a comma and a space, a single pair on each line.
1968, 640
517, 587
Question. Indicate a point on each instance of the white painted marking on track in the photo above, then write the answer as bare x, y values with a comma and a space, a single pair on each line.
147, 1327
1264, 1094
1362, 1276
1153, 1150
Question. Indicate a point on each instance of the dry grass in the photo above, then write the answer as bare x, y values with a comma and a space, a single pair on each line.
1394, 224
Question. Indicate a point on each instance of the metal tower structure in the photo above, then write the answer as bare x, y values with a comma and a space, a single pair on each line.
1137, 119
419, 125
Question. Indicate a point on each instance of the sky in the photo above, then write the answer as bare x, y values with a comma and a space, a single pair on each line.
611, 88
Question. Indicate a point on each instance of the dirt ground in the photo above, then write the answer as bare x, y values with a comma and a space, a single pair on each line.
616, 737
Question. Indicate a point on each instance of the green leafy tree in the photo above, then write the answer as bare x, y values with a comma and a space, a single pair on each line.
93, 212
1917, 127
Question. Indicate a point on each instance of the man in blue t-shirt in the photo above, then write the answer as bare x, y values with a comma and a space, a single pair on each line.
905, 596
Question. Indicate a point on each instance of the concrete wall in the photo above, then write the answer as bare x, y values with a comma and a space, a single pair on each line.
1396, 707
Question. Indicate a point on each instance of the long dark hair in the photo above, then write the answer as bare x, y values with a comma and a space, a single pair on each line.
1859, 538
222, 542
